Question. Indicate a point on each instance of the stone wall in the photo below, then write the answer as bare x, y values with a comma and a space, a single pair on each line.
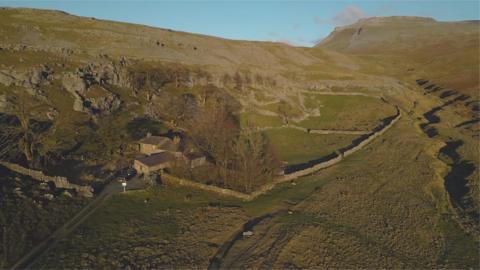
172, 180
311, 168
59, 181
316, 131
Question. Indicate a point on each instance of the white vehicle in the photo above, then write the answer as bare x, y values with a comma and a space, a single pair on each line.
247, 233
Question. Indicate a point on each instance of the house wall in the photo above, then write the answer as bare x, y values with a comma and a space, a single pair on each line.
142, 168
160, 166
197, 162
149, 149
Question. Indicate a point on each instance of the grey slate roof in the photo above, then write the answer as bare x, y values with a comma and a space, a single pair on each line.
157, 159
192, 156
163, 143
155, 140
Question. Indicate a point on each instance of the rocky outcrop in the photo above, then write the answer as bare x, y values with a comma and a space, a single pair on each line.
87, 87
108, 72
99, 100
3, 103
74, 84
13, 47
31, 79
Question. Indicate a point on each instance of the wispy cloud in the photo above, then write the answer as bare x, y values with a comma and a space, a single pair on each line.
350, 14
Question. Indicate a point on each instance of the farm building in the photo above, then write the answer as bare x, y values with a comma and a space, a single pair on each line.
162, 152
155, 162
157, 144
195, 159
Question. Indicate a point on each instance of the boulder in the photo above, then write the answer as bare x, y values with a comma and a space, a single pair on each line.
52, 114
6, 78
74, 83
3, 103
48, 196
66, 193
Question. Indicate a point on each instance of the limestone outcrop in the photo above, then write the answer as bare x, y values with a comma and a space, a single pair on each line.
31, 79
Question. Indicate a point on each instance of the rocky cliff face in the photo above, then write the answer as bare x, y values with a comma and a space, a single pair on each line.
86, 86
31, 79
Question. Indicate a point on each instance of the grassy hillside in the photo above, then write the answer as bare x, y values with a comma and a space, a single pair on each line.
412, 48
87, 90
56, 30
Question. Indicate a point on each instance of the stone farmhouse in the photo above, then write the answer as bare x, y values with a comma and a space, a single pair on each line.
161, 152
157, 144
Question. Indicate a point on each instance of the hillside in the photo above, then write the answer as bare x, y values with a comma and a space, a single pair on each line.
415, 48
57, 31
78, 94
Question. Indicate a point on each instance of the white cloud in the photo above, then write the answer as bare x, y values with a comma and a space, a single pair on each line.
348, 15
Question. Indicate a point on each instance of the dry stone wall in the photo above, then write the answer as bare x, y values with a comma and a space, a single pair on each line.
62, 182
169, 179
172, 180
316, 131
59, 181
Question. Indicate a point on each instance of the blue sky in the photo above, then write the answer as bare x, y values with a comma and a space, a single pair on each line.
296, 22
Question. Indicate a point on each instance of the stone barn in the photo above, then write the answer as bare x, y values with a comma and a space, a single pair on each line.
157, 144
195, 159
155, 162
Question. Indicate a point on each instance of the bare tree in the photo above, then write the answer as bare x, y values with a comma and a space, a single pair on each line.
255, 160
174, 109
25, 108
8, 137
212, 131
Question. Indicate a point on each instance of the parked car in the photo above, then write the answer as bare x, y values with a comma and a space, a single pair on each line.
131, 172
126, 173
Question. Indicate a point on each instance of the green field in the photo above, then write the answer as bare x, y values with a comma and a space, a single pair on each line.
339, 112
345, 112
295, 146
259, 120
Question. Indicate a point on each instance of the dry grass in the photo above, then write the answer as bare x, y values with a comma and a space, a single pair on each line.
170, 231
379, 211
